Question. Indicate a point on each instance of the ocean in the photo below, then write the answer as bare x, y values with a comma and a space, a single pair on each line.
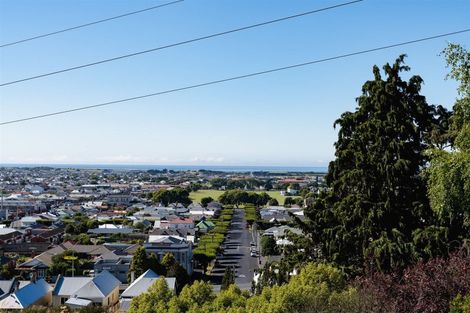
144, 167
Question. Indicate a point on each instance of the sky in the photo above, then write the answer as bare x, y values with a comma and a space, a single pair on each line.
284, 118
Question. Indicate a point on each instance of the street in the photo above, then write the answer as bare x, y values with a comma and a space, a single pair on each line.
236, 254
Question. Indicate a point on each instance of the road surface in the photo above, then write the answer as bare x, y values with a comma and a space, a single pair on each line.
236, 254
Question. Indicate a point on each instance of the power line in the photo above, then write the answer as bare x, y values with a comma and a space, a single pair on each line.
342, 56
178, 43
87, 24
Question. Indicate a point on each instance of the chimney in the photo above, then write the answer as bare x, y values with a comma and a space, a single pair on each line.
17, 286
132, 276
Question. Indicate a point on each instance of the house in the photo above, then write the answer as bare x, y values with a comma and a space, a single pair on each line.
35, 293
119, 199
185, 233
65, 287
177, 223
109, 229
7, 234
141, 285
39, 264
179, 247
279, 233
205, 226
78, 292
118, 265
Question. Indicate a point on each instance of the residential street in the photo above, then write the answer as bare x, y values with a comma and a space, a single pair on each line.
237, 254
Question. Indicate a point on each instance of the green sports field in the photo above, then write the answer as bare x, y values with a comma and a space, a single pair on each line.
198, 195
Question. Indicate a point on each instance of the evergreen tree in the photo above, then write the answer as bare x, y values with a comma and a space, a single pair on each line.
174, 269
228, 279
139, 263
376, 206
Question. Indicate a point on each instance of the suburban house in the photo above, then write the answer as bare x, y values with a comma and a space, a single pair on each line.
119, 199
186, 233
79, 292
205, 226
118, 265
279, 234
141, 285
181, 248
177, 223
35, 293
39, 264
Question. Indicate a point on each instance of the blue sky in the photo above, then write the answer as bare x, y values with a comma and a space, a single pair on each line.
284, 118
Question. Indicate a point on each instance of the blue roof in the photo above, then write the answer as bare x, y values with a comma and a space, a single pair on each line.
26, 296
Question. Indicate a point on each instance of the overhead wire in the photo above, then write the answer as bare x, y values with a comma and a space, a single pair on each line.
342, 56
178, 43
88, 24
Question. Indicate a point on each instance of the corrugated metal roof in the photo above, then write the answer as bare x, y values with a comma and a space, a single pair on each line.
66, 286
144, 282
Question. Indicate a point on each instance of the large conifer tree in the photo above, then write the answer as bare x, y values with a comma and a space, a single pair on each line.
376, 208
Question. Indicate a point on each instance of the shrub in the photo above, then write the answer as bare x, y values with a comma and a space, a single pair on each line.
423, 287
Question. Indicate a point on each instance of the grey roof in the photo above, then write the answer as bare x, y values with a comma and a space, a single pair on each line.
111, 231
77, 302
100, 286
66, 286
167, 240
144, 282
6, 286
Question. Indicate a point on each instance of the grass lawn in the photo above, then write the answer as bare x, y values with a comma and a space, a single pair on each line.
198, 195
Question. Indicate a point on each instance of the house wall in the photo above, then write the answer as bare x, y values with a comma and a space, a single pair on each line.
112, 300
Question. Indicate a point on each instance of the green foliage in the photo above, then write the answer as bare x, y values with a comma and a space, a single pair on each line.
156, 299
174, 269
269, 246
460, 304
83, 239
64, 267
194, 296
176, 195
376, 199
228, 279
449, 171
7, 271
209, 243
251, 214
273, 202
288, 201
318, 288
238, 197
141, 262
206, 200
